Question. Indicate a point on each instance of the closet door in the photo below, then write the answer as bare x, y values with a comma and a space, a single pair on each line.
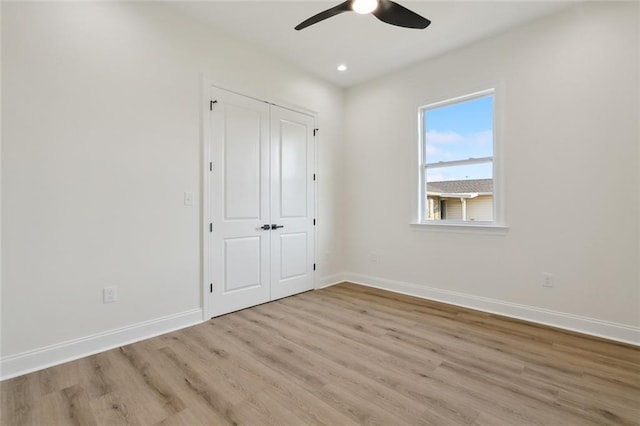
292, 202
239, 202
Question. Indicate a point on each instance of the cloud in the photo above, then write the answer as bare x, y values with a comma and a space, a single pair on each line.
432, 151
480, 138
447, 146
441, 138
436, 177
435, 137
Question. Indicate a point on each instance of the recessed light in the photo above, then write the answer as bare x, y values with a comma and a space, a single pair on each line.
342, 67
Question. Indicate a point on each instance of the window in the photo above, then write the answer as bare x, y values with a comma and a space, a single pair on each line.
457, 161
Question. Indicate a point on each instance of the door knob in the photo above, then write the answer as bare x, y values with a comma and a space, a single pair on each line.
274, 226
265, 227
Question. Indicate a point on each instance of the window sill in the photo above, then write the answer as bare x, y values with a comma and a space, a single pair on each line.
460, 227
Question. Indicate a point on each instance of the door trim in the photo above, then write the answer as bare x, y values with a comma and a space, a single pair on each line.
206, 239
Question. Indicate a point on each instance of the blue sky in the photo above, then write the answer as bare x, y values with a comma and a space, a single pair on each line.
458, 132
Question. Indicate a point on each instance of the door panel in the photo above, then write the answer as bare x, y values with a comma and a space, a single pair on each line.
241, 151
293, 255
239, 202
292, 202
293, 169
242, 263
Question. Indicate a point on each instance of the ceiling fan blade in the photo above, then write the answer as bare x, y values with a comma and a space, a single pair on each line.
394, 14
336, 10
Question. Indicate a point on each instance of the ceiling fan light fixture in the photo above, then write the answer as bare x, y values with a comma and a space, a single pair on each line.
364, 6
387, 11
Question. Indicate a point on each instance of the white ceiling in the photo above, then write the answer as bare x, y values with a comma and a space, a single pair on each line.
367, 46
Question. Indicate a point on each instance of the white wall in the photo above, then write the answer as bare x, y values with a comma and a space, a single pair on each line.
568, 110
101, 108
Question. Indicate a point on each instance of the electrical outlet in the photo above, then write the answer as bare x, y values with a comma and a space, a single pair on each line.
547, 279
373, 257
109, 295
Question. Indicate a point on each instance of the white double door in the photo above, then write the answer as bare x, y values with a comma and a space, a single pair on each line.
262, 202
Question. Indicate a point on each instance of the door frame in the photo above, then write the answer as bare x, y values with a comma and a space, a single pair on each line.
206, 239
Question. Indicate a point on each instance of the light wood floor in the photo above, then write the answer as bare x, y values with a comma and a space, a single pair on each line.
339, 356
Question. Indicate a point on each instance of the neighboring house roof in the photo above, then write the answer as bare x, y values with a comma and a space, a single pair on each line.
468, 186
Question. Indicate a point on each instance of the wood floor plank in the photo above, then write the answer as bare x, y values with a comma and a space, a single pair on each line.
404, 381
20, 398
205, 393
332, 333
344, 355
266, 379
114, 409
133, 388
361, 335
327, 377
79, 410
153, 378
52, 409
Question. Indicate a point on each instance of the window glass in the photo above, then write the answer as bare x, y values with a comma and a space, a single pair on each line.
459, 131
457, 168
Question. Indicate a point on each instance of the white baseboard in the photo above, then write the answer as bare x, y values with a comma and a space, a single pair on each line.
330, 280
594, 327
38, 359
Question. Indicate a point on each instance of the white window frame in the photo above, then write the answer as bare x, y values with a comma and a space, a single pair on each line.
498, 222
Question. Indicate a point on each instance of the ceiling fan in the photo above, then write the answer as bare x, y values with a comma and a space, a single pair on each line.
385, 10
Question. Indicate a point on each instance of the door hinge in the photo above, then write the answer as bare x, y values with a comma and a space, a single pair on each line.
315, 131
314, 222
210, 288
314, 266
211, 227
210, 166
314, 176
211, 103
